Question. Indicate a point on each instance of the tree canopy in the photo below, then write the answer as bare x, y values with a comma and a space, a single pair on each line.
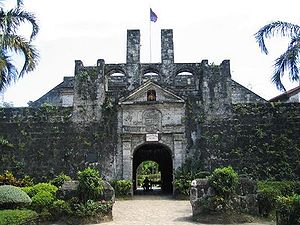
13, 44
287, 62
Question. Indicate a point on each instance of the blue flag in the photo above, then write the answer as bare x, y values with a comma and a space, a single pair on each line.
153, 16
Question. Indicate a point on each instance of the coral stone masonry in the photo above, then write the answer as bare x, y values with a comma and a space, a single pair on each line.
115, 116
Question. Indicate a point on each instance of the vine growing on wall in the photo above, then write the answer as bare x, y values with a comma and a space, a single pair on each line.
5, 143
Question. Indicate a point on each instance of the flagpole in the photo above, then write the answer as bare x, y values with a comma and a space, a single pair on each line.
153, 18
150, 53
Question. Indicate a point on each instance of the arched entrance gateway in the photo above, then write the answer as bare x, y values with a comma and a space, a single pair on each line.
160, 154
151, 129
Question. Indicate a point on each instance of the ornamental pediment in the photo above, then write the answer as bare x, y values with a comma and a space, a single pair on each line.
150, 92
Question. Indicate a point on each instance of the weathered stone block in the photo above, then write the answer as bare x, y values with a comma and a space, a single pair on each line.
246, 201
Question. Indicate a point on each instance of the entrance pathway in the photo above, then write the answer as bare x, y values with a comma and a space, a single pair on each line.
154, 210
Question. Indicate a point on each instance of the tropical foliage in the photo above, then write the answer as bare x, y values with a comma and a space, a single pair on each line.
12, 197
122, 187
289, 60
14, 44
90, 185
224, 181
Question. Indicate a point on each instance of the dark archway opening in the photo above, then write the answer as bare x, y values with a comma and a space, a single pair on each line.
157, 153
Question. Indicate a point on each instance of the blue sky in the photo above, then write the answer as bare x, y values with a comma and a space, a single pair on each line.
96, 29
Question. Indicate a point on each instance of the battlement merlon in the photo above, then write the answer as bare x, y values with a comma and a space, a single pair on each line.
225, 68
79, 67
167, 46
133, 47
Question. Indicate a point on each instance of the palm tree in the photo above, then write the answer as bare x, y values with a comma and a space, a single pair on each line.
289, 60
13, 44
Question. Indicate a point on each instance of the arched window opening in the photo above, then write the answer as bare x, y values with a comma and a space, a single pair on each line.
117, 81
151, 95
184, 78
150, 76
117, 75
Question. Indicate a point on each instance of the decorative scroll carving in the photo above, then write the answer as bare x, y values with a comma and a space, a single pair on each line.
152, 120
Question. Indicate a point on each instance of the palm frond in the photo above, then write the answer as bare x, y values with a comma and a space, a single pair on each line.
19, 3
287, 62
294, 50
8, 72
19, 45
12, 19
273, 29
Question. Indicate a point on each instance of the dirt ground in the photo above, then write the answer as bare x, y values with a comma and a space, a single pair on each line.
155, 210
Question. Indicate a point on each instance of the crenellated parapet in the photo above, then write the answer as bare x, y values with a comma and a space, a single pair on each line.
210, 85
89, 91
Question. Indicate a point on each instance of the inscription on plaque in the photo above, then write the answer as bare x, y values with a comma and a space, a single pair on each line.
152, 120
151, 137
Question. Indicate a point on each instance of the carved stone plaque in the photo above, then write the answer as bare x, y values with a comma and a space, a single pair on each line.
151, 137
152, 120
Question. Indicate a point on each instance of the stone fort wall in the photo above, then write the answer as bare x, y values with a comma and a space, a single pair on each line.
224, 122
258, 139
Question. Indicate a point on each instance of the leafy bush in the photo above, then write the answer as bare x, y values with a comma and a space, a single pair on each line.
90, 185
42, 200
122, 187
60, 208
9, 179
12, 197
267, 199
42, 195
92, 208
184, 175
284, 187
60, 179
47, 187
224, 181
17, 217
269, 191
182, 186
288, 210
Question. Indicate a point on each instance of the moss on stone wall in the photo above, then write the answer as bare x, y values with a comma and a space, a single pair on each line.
46, 142
260, 140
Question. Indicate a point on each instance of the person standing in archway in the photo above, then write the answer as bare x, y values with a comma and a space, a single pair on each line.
146, 184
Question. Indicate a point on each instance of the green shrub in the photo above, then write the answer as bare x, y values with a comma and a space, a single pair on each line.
182, 186
269, 191
60, 179
92, 208
60, 208
17, 217
267, 199
288, 210
12, 197
42, 195
33, 190
122, 187
224, 181
185, 174
90, 185
9, 179
26, 181
42, 200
